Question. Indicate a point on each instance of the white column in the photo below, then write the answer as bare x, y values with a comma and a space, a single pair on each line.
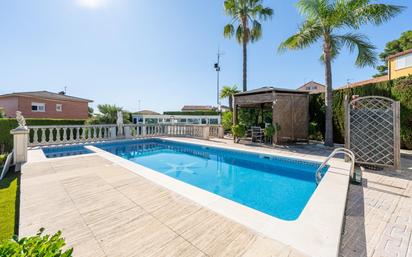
221, 132
20, 142
206, 132
112, 133
127, 132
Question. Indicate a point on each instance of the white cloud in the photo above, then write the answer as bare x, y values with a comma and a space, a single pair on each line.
93, 4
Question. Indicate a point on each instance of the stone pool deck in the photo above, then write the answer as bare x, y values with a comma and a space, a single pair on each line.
379, 215
105, 210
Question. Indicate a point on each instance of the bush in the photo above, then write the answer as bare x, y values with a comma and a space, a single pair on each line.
269, 131
6, 139
227, 121
238, 132
399, 90
205, 113
38, 245
314, 131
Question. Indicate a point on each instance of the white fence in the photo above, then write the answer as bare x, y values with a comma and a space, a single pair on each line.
53, 135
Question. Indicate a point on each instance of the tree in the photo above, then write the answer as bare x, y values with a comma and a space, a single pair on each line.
323, 20
393, 47
108, 115
228, 92
246, 15
90, 111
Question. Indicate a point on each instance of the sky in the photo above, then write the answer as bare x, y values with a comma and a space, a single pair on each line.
158, 53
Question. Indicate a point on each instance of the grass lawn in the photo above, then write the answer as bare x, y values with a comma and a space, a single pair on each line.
9, 192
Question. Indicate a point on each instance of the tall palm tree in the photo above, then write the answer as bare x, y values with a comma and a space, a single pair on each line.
324, 20
246, 15
228, 92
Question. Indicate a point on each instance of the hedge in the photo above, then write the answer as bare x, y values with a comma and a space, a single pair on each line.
204, 113
399, 90
7, 124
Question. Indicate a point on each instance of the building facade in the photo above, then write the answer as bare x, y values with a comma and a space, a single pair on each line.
400, 64
312, 87
44, 104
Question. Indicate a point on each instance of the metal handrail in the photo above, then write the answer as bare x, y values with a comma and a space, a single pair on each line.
341, 150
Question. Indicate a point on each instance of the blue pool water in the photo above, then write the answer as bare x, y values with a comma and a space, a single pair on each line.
54, 152
277, 186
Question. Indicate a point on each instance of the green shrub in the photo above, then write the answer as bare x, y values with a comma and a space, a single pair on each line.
399, 90
269, 131
227, 121
254, 116
6, 124
238, 132
314, 131
38, 245
205, 113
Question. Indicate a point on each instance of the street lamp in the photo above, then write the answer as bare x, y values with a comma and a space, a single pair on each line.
217, 68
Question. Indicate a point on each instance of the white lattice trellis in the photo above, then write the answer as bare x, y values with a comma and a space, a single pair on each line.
372, 131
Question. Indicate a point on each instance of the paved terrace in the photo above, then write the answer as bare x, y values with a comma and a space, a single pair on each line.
105, 210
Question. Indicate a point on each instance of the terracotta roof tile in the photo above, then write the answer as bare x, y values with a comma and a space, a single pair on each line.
365, 82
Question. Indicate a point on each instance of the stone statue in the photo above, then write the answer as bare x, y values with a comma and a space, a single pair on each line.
20, 120
119, 122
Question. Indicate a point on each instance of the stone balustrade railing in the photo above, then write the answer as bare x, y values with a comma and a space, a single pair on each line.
214, 131
52, 135
141, 131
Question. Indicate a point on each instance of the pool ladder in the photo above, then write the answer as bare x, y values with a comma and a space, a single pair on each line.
340, 150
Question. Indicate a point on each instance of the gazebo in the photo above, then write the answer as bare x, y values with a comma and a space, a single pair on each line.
290, 110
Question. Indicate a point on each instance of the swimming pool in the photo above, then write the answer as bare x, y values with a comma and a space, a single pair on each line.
278, 186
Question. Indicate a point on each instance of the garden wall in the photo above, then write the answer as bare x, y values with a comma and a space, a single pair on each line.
6, 139
399, 90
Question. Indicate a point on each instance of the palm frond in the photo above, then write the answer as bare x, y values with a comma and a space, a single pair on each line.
247, 14
308, 33
376, 14
312, 8
366, 51
239, 34
256, 31
228, 91
228, 31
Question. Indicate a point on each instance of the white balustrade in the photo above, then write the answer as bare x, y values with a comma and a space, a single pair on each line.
53, 135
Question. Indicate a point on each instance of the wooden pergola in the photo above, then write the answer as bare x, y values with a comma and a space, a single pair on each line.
290, 110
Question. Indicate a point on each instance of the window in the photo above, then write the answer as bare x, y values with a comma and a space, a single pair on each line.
403, 62
213, 121
59, 107
38, 107
311, 88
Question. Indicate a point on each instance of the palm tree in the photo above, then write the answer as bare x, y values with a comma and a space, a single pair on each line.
324, 19
228, 92
246, 15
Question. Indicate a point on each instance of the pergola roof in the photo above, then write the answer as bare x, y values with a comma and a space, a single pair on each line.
269, 89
